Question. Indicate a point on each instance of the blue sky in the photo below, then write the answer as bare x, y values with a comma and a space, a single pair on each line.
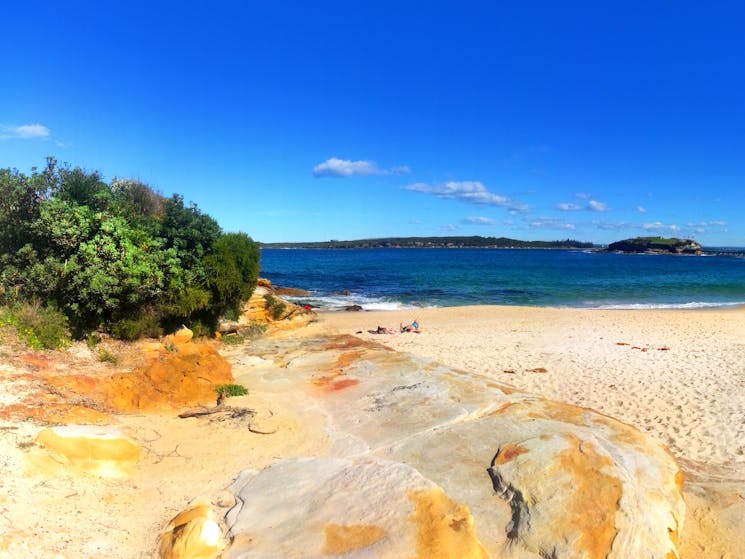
305, 121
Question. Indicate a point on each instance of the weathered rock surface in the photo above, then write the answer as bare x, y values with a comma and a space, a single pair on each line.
101, 451
425, 461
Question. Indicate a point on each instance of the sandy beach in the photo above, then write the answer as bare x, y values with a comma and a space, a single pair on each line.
678, 375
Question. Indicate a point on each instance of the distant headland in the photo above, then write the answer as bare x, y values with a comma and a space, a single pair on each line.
657, 245
436, 242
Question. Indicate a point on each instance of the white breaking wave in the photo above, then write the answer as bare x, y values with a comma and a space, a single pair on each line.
340, 302
691, 305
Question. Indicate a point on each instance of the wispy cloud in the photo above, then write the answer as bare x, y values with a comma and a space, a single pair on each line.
335, 167
449, 228
595, 206
612, 225
641, 209
24, 132
715, 223
550, 223
478, 220
471, 192
659, 226
591, 205
701, 227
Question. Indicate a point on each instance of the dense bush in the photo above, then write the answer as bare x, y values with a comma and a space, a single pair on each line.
232, 268
117, 256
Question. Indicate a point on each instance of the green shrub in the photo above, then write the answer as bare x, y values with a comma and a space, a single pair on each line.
232, 268
274, 306
92, 340
38, 326
131, 329
229, 390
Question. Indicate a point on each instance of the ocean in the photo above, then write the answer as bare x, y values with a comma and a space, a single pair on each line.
389, 279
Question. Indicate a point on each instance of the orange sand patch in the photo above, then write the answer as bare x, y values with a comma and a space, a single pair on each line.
347, 358
444, 527
595, 499
343, 539
509, 452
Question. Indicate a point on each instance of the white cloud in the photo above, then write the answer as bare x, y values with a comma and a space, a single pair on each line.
335, 167
659, 226
568, 207
479, 220
641, 209
550, 223
24, 132
472, 192
595, 206
715, 223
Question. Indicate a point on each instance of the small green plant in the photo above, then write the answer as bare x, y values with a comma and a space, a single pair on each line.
275, 307
92, 340
230, 390
105, 356
233, 339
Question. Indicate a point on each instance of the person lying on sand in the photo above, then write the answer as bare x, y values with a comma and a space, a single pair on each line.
413, 327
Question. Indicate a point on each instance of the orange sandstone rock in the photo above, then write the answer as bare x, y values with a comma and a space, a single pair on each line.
185, 376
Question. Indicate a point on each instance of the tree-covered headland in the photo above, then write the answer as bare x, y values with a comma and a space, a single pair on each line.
117, 257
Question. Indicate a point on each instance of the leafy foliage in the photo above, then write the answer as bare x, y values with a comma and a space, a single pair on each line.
232, 268
229, 390
118, 256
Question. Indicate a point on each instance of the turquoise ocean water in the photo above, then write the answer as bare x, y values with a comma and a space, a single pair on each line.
411, 278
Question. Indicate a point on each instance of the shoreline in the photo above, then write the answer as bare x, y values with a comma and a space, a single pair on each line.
676, 374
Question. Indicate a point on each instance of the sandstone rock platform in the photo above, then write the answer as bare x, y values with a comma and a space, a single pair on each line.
425, 461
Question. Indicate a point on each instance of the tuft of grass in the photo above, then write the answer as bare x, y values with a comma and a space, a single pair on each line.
233, 339
105, 356
230, 390
274, 306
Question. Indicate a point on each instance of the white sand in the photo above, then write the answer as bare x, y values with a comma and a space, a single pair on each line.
677, 374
